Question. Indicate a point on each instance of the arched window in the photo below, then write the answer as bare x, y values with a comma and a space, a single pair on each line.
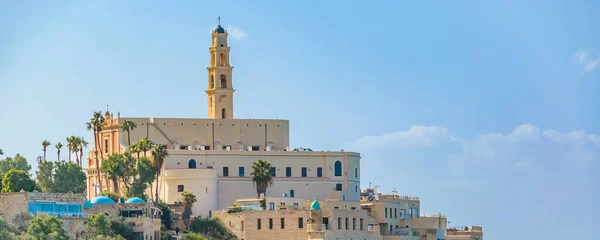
223, 113
222, 59
223, 81
212, 60
192, 163
338, 169
212, 81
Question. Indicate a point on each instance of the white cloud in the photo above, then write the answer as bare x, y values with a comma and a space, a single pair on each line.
236, 32
587, 59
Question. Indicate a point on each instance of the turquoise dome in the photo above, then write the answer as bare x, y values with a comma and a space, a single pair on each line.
135, 200
102, 200
315, 205
87, 204
219, 29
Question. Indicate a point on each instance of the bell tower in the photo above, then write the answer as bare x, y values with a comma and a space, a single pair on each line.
220, 88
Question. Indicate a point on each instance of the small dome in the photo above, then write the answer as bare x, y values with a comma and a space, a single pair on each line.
87, 204
135, 200
102, 200
219, 29
315, 205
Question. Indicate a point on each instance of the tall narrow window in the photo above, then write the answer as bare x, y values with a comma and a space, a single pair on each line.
258, 223
339, 223
395, 213
106, 145
319, 172
270, 223
225, 171
338, 169
223, 113
282, 223
241, 171
288, 171
304, 172
385, 212
223, 79
273, 172
222, 58
212, 81
353, 223
361, 224
300, 222
346, 223
291, 193
356, 172
192, 163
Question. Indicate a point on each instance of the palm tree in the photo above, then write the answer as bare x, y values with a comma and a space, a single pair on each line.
71, 141
45, 144
128, 126
1, 152
82, 144
95, 124
158, 159
58, 147
135, 148
145, 145
188, 201
261, 176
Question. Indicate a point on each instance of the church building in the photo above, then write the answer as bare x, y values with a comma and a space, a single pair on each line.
212, 157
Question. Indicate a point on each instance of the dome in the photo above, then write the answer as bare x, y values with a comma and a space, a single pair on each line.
102, 200
315, 205
135, 200
219, 29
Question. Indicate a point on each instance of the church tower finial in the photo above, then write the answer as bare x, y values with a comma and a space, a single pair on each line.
220, 85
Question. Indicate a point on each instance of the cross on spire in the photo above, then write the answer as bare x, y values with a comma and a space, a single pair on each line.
219, 18
107, 107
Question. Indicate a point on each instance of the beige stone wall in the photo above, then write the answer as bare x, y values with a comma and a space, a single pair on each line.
12, 204
201, 182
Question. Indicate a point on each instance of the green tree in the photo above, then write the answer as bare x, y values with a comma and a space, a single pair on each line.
18, 162
58, 146
158, 156
165, 218
112, 195
128, 171
112, 227
127, 126
45, 145
193, 236
15, 180
95, 124
47, 227
144, 174
1, 152
6, 231
61, 177
211, 228
21, 222
188, 201
261, 176
134, 148
113, 167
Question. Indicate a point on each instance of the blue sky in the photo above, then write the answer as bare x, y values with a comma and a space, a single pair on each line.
489, 111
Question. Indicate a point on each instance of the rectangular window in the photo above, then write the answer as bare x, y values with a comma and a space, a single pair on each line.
270, 223
106, 145
225, 171
258, 223
300, 222
339, 223
356, 172
385, 212
319, 172
205, 147
353, 223
395, 213
295, 204
255, 148
361, 224
179, 188
227, 148
273, 172
338, 187
288, 171
241, 172
291, 193
242, 226
271, 206
353, 208
282, 223
304, 172
346, 223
